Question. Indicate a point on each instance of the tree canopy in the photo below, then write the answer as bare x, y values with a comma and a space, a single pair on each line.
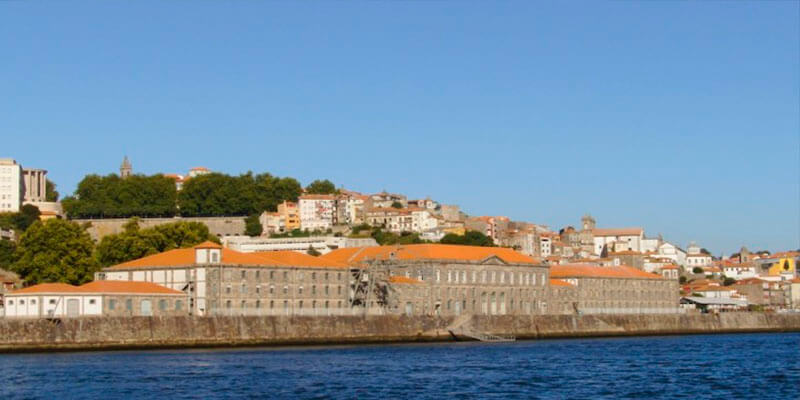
252, 226
135, 243
20, 221
321, 187
470, 238
55, 251
51, 194
207, 195
114, 197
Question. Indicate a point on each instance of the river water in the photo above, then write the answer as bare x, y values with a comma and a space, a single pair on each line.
741, 366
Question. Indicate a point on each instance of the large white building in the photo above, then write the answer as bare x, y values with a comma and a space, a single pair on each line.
620, 239
12, 188
317, 211
322, 244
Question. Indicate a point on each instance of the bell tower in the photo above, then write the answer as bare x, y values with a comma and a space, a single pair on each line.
126, 169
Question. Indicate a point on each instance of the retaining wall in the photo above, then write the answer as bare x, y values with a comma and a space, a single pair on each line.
155, 332
219, 226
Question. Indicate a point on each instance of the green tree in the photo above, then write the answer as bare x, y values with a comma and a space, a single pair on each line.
252, 226
321, 187
51, 194
697, 270
7, 256
397, 204
55, 251
113, 197
470, 238
682, 279
135, 243
312, 251
728, 281
20, 221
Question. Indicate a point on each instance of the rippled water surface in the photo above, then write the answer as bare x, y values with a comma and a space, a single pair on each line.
744, 366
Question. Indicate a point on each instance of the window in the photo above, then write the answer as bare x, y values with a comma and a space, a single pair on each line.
228, 304
91, 301
300, 290
244, 304
313, 290
300, 304
22, 302
34, 301
285, 289
258, 274
285, 276
271, 289
258, 303
52, 301
258, 289
112, 304
339, 276
313, 276
326, 277
272, 304
326, 289
162, 305
11, 302
271, 275
228, 289
243, 289
178, 305
129, 305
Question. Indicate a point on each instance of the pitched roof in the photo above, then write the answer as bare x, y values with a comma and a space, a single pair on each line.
355, 255
559, 282
186, 257
617, 231
293, 258
126, 287
48, 288
593, 271
317, 197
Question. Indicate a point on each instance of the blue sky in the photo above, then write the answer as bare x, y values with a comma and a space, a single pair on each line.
681, 117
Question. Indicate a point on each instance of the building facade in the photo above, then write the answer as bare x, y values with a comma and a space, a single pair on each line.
95, 299
12, 188
618, 290
449, 280
317, 211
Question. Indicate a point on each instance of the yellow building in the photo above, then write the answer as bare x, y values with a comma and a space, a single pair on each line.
785, 266
290, 214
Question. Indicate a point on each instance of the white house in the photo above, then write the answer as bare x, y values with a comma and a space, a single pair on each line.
618, 239
672, 252
317, 211
12, 189
59, 300
739, 271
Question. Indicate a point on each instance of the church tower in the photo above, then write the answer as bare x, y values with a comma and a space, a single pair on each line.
587, 222
126, 169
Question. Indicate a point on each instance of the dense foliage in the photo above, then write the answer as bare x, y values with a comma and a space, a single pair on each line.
202, 196
50, 194
55, 251
20, 221
113, 197
321, 187
135, 243
252, 226
470, 238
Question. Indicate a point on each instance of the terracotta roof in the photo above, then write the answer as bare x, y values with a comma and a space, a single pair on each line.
403, 279
48, 288
785, 254
713, 289
795, 280
355, 255
208, 245
317, 197
669, 267
625, 253
293, 258
126, 287
199, 169
617, 232
559, 282
593, 271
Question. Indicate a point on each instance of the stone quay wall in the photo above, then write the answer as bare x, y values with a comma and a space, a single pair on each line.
98, 333
218, 226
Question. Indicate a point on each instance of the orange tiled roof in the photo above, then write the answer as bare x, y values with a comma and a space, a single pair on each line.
617, 231
126, 287
671, 266
355, 255
317, 197
559, 282
624, 253
293, 258
593, 271
713, 289
48, 288
403, 279
186, 257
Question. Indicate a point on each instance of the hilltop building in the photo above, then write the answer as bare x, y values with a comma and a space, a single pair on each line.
126, 169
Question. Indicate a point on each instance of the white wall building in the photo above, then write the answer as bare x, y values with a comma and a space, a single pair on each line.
739, 271
672, 252
12, 188
317, 211
322, 244
618, 239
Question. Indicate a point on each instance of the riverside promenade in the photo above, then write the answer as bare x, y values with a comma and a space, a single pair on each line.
19, 335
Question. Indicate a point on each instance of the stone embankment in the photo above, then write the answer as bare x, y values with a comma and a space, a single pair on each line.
175, 332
